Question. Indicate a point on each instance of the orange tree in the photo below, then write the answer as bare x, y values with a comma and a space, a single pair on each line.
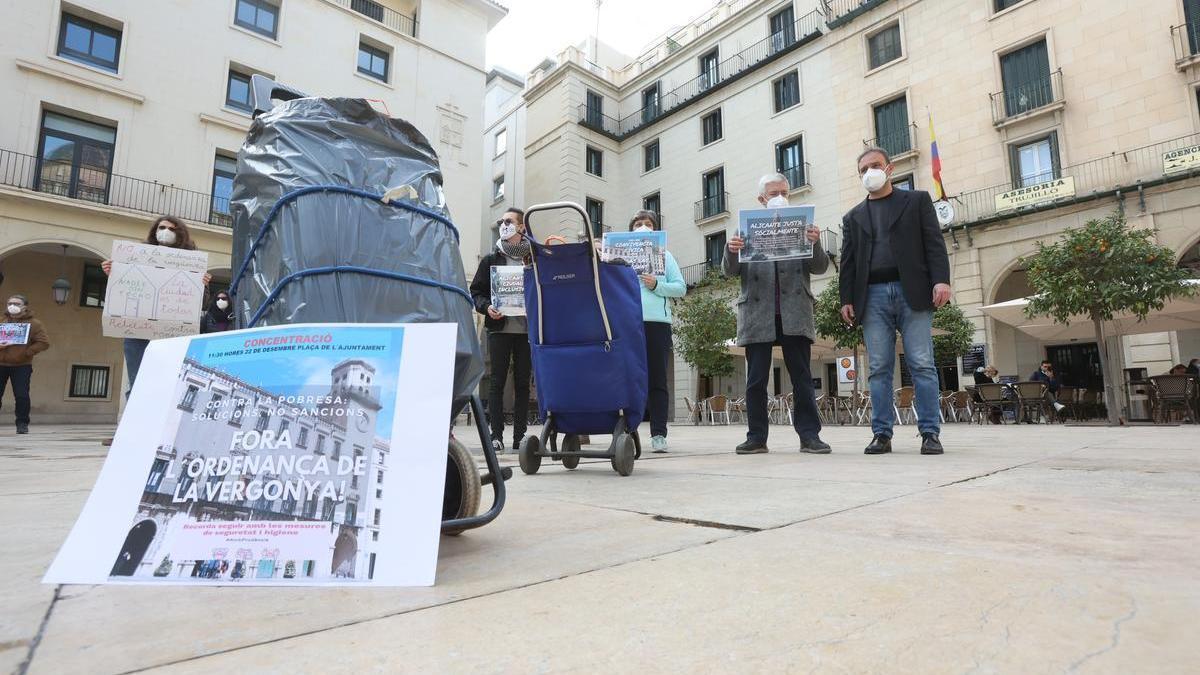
1100, 270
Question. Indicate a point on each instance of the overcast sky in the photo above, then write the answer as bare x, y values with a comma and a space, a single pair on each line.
535, 29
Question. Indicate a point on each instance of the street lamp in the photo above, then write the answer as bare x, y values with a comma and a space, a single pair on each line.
61, 287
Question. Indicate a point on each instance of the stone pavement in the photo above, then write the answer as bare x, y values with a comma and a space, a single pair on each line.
1025, 549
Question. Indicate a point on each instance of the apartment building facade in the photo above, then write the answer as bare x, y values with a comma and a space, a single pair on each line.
118, 111
1047, 114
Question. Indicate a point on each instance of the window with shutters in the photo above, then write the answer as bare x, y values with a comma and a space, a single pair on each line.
892, 132
653, 204
651, 157
783, 29
595, 212
787, 91
713, 184
711, 125
710, 72
789, 161
1025, 74
595, 109
595, 161
1001, 5
1191, 26
651, 102
714, 249
884, 47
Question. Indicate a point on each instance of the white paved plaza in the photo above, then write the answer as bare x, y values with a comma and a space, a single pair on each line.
1024, 549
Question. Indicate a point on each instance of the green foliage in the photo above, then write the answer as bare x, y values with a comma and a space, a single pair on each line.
827, 316
959, 334
1102, 269
704, 322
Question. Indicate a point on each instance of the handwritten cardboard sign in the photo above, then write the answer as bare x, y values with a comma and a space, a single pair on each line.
154, 291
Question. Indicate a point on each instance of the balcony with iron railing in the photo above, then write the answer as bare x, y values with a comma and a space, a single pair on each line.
97, 185
1121, 172
712, 206
1185, 38
898, 145
1032, 97
807, 28
694, 274
841, 12
397, 21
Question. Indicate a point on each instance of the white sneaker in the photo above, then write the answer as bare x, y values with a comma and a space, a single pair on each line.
1058, 407
658, 444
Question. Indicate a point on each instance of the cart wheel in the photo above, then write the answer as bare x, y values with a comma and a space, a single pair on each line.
528, 455
622, 461
461, 498
570, 444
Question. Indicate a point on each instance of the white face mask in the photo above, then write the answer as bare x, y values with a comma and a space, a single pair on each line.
507, 230
165, 237
222, 304
873, 179
777, 202
643, 228
15, 309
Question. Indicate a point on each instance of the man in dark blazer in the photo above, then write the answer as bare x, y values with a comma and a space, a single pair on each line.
775, 307
894, 274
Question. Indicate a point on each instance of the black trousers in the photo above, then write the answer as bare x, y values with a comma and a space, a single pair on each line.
506, 349
19, 376
658, 362
797, 350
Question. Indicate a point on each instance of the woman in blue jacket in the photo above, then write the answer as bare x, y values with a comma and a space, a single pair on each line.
657, 291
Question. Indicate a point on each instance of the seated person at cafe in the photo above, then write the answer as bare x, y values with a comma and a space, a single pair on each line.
1046, 374
1179, 369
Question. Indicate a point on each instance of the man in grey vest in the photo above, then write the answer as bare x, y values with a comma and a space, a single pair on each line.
775, 307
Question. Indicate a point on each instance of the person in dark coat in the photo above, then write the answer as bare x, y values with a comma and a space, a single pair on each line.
894, 274
775, 307
219, 317
508, 336
16, 360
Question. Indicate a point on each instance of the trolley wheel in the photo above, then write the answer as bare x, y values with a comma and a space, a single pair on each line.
570, 444
528, 455
461, 498
637, 444
622, 461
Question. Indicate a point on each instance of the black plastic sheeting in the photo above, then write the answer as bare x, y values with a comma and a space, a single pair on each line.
345, 142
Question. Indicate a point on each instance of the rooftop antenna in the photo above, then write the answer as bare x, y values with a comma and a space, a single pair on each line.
596, 34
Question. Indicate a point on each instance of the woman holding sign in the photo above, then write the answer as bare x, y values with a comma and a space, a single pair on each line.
166, 231
21, 338
657, 291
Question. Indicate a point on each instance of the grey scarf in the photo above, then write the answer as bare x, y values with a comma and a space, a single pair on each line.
517, 251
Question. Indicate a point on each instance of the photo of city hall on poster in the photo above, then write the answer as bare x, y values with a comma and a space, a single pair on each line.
253, 482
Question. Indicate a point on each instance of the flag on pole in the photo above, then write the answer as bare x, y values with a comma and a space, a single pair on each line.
936, 161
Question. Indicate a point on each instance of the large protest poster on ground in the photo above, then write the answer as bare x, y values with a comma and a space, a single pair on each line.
298, 455
775, 234
153, 291
508, 289
645, 252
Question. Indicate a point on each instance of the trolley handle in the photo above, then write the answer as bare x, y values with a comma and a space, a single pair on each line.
594, 255
264, 90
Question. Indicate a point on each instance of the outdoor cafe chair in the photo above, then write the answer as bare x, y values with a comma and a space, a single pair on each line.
1032, 403
960, 406
995, 396
695, 411
946, 406
718, 406
903, 405
1066, 397
1174, 393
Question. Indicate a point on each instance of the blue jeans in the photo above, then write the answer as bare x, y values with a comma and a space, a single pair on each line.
135, 348
887, 312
